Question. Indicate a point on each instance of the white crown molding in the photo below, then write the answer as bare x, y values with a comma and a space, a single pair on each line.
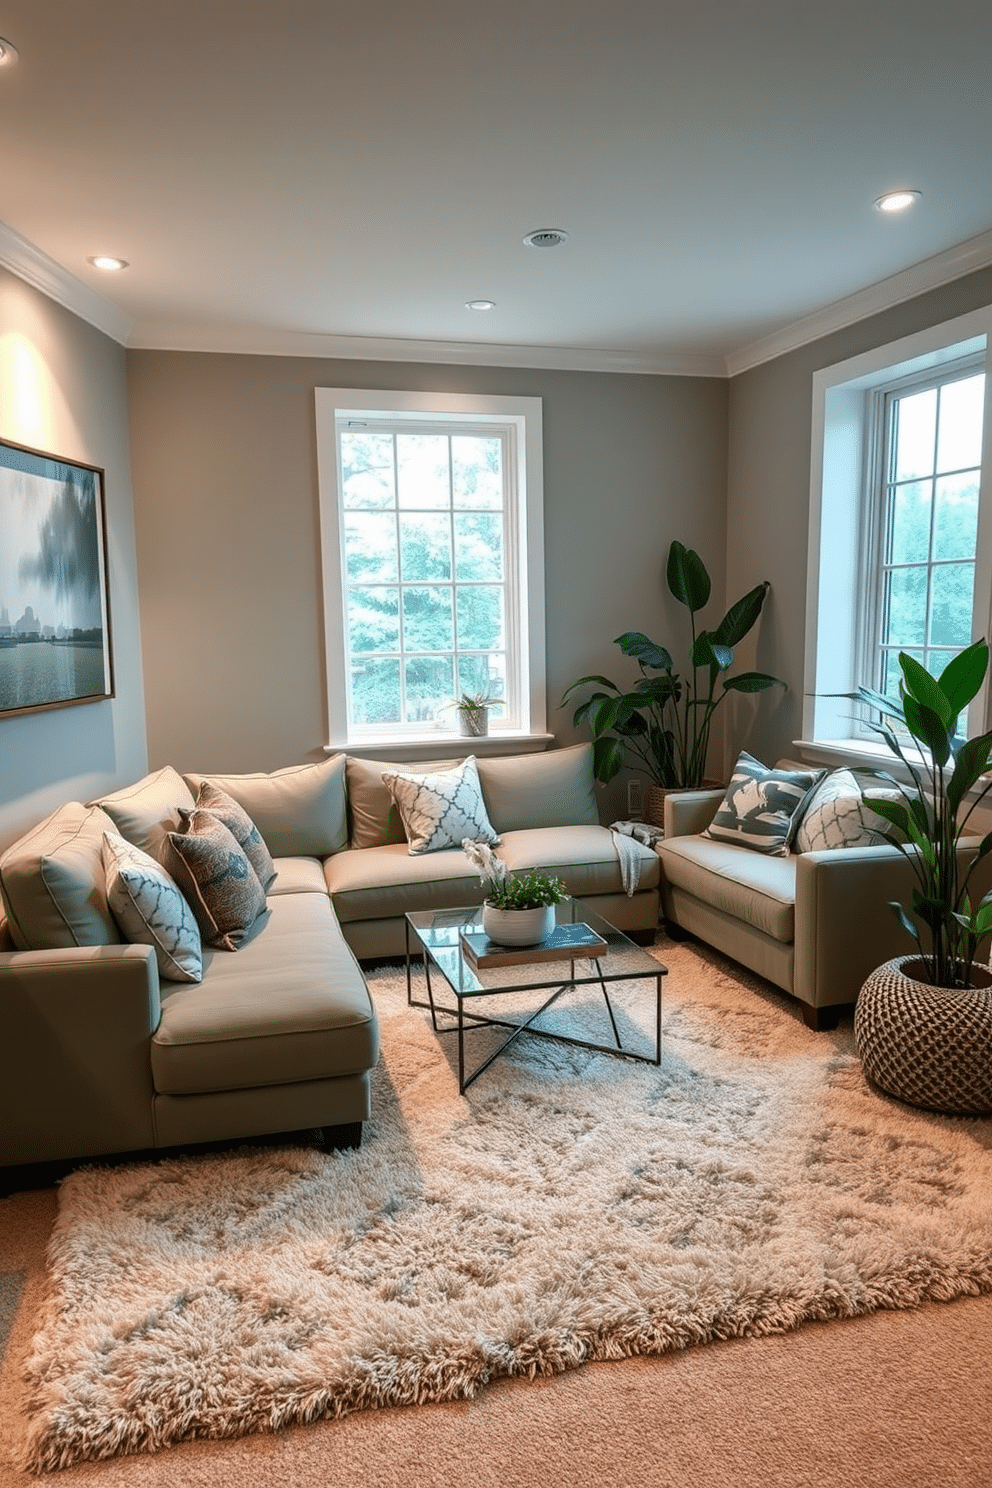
253, 341
928, 275
43, 273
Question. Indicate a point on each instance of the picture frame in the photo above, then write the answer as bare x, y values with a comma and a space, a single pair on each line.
55, 644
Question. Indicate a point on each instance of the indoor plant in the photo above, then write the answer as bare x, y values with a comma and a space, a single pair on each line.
923, 1023
519, 908
473, 713
662, 724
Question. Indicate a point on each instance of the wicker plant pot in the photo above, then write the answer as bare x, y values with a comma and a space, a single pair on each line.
930, 1046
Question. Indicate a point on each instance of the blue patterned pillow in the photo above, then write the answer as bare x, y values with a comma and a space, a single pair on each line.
441, 809
210, 797
213, 873
150, 909
762, 807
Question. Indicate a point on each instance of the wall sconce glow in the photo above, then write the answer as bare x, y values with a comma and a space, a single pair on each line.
897, 201
8, 53
480, 304
107, 263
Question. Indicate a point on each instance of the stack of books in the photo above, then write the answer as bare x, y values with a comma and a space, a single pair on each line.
565, 943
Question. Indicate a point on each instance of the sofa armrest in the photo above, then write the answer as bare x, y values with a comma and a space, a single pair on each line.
690, 812
75, 1070
844, 926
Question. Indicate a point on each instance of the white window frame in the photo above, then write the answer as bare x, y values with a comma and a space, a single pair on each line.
844, 457
522, 417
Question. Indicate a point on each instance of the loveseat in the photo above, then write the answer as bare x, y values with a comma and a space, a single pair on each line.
113, 1042
814, 919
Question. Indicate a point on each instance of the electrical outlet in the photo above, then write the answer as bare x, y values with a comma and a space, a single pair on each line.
635, 800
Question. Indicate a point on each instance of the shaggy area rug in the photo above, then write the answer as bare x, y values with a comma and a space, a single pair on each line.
569, 1207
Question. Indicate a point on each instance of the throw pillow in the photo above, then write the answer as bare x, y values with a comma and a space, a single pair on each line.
762, 806
837, 815
300, 811
237, 821
217, 879
150, 910
441, 809
142, 813
53, 884
375, 821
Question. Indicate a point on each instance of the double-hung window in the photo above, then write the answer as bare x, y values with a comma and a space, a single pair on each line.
921, 598
432, 546
900, 538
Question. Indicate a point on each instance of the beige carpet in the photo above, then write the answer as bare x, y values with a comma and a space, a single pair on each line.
570, 1207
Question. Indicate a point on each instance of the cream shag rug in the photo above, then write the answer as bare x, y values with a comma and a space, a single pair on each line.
570, 1207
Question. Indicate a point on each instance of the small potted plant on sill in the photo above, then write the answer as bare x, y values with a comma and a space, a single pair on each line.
662, 725
923, 1022
519, 908
473, 713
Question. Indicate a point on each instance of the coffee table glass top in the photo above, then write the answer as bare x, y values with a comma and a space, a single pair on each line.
439, 931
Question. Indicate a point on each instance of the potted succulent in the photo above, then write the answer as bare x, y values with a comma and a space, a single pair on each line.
519, 908
473, 713
662, 724
923, 1022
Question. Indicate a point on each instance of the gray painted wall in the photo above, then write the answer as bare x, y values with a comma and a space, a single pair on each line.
63, 391
227, 529
770, 417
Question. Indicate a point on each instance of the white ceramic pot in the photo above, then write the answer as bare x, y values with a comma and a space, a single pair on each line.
473, 723
518, 927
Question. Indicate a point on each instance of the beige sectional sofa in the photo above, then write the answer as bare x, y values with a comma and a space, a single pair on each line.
814, 922
103, 1053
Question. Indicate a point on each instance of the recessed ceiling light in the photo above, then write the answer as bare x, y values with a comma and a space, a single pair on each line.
897, 201
8, 53
480, 304
107, 263
546, 237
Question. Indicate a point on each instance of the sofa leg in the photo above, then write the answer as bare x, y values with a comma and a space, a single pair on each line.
340, 1138
821, 1019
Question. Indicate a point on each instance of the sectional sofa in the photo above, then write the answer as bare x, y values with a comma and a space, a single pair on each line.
121, 1040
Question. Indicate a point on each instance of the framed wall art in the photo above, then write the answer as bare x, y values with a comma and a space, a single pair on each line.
54, 603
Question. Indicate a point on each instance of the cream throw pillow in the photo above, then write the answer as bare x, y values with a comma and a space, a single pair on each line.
441, 809
838, 816
150, 910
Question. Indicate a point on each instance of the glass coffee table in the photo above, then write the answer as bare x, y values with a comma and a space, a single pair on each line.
435, 935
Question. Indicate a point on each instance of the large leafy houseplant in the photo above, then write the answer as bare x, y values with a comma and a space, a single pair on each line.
933, 815
662, 724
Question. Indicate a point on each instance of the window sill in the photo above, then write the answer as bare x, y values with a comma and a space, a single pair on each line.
442, 745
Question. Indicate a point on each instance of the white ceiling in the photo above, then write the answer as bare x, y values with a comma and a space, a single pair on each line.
316, 175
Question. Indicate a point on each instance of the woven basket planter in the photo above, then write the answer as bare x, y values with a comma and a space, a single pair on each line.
930, 1046
654, 799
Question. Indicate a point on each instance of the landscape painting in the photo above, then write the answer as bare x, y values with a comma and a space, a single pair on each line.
54, 614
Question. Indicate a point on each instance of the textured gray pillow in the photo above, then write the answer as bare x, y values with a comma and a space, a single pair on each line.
237, 821
441, 809
150, 910
216, 878
762, 807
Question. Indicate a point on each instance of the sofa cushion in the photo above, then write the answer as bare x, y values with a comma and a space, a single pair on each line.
145, 811
215, 876
150, 909
291, 1006
373, 883
300, 811
756, 888
836, 815
583, 857
762, 806
298, 876
53, 882
442, 808
210, 797
375, 818
557, 789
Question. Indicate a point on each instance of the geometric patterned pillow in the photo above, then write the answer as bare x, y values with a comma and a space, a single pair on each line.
150, 910
240, 825
838, 816
440, 809
762, 807
213, 873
